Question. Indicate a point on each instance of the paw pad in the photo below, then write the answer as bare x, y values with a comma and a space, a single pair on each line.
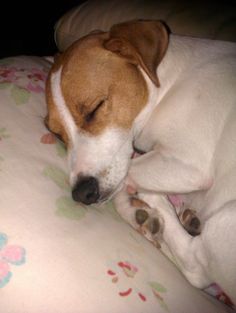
141, 216
190, 222
154, 225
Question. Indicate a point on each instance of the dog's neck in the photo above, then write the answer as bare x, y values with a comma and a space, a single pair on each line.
154, 93
174, 62
145, 114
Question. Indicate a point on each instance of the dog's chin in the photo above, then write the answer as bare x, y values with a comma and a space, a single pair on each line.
109, 194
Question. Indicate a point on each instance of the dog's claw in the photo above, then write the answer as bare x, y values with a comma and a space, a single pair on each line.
190, 222
141, 216
195, 223
148, 224
154, 225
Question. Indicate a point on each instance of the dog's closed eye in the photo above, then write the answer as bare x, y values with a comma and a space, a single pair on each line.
90, 116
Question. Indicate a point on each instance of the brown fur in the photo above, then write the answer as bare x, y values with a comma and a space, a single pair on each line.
102, 70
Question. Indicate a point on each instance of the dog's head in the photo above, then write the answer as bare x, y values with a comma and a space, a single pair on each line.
97, 95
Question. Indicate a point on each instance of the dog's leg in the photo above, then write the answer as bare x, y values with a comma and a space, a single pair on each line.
163, 172
139, 215
188, 251
155, 218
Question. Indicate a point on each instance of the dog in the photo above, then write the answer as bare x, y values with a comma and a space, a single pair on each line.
172, 99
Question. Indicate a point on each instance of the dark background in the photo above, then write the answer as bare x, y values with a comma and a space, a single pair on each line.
28, 27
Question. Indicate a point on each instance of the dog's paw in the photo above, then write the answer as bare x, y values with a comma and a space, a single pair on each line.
190, 221
149, 223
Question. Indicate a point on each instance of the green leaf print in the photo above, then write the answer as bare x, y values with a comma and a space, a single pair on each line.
5, 85
3, 133
157, 286
58, 176
20, 95
61, 149
68, 208
1, 160
156, 289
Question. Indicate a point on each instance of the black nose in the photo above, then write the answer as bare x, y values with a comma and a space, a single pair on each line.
86, 190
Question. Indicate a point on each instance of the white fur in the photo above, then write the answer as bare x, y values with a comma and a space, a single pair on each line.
146, 112
65, 115
191, 149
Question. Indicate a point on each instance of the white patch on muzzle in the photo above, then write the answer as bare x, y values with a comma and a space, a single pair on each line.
105, 157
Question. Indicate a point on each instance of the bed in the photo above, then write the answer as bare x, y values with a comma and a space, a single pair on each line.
57, 256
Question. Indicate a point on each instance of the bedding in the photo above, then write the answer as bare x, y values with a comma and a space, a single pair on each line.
56, 255
208, 19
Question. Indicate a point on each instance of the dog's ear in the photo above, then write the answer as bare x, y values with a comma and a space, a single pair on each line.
141, 42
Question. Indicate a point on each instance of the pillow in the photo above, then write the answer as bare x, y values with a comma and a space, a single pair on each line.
208, 19
59, 256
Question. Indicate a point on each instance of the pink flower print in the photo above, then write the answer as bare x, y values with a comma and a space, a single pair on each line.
8, 75
34, 87
30, 80
37, 75
216, 291
9, 254
129, 270
127, 277
48, 139
36, 80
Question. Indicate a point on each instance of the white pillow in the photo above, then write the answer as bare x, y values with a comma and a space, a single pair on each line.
55, 255
209, 19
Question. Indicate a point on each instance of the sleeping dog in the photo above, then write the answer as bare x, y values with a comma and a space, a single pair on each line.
174, 99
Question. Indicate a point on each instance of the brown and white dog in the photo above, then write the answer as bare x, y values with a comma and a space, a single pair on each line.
173, 98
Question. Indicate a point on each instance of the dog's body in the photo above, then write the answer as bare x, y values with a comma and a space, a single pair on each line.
186, 127
191, 136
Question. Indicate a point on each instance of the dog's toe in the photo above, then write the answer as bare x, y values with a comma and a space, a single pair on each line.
141, 216
155, 229
190, 222
148, 223
154, 225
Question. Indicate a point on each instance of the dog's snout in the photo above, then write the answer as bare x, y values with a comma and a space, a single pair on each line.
86, 190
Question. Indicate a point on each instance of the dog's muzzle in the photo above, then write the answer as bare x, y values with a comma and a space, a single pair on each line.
86, 190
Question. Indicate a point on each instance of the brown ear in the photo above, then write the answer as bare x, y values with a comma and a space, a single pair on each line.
142, 42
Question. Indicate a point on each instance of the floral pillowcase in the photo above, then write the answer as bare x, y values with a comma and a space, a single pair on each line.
21, 81
58, 256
